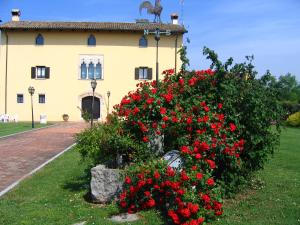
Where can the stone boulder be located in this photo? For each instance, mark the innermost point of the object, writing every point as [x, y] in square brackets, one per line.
[105, 184]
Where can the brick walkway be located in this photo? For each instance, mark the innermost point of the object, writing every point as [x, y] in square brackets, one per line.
[22, 153]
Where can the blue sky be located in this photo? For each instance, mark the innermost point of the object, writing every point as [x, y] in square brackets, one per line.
[269, 29]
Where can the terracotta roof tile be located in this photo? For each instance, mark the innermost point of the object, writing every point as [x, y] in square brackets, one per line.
[89, 26]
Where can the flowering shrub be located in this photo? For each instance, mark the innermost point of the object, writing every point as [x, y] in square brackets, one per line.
[294, 120]
[191, 121]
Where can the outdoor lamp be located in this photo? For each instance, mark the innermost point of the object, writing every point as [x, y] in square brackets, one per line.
[31, 92]
[93, 85]
[108, 95]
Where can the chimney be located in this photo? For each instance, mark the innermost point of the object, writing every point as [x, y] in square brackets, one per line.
[15, 14]
[174, 18]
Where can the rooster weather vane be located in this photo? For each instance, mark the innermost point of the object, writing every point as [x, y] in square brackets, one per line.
[155, 10]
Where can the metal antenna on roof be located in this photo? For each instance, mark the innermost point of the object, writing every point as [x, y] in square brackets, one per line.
[182, 12]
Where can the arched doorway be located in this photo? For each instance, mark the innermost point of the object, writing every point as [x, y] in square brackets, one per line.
[86, 106]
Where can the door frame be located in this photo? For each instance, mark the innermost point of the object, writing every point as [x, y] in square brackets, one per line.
[87, 94]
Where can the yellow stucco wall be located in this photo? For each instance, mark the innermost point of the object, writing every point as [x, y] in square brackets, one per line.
[61, 52]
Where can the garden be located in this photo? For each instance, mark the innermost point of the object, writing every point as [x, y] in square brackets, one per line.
[225, 124]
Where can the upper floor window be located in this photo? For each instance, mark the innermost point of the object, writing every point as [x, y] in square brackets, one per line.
[91, 40]
[98, 71]
[91, 70]
[40, 72]
[143, 73]
[83, 70]
[39, 40]
[90, 67]
[143, 42]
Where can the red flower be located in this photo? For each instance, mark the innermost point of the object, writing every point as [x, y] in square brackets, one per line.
[220, 105]
[174, 216]
[145, 139]
[184, 176]
[198, 156]
[232, 127]
[123, 204]
[185, 149]
[189, 120]
[174, 119]
[154, 90]
[149, 101]
[135, 110]
[168, 97]
[211, 164]
[127, 180]
[199, 176]
[193, 207]
[181, 81]
[200, 220]
[206, 198]
[194, 168]
[185, 212]
[210, 182]
[163, 110]
[147, 193]
[156, 175]
[150, 203]
[204, 146]
[165, 118]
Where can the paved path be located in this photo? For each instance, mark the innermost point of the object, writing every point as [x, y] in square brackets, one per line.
[22, 153]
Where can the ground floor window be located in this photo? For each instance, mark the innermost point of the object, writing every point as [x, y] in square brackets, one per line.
[42, 98]
[20, 98]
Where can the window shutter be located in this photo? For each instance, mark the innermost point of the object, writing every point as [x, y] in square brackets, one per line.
[33, 71]
[47, 72]
[149, 73]
[137, 73]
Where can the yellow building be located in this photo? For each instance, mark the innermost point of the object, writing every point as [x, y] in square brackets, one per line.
[59, 58]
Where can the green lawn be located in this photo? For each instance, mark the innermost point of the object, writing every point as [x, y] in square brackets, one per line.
[12, 128]
[57, 195]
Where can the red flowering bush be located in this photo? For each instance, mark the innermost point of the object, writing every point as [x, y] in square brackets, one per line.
[189, 117]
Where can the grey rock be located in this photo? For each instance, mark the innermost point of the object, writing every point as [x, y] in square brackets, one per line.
[124, 217]
[105, 184]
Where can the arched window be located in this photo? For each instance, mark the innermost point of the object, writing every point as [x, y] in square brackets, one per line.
[98, 72]
[83, 70]
[91, 71]
[39, 40]
[143, 43]
[91, 40]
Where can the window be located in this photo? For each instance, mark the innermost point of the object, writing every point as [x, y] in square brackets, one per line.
[91, 40]
[20, 98]
[91, 71]
[83, 70]
[90, 67]
[143, 73]
[143, 42]
[39, 40]
[40, 72]
[42, 99]
[98, 73]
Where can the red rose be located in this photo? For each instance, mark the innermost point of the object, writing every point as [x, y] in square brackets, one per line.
[123, 204]
[181, 81]
[145, 139]
[156, 175]
[200, 220]
[194, 168]
[127, 180]
[185, 212]
[206, 198]
[220, 105]
[204, 146]
[150, 203]
[193, 207]
[185, 149]
[199, 176]
[232, 127]
[153, 90]
[163, 110]
[211, 164]
[210, 182]
[198, 156]
[165, 118]
[174, 216]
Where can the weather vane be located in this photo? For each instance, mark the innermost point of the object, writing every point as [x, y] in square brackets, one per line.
[155, 10]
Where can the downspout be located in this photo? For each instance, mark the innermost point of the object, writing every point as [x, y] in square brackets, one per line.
[6, 68]
[176, 46]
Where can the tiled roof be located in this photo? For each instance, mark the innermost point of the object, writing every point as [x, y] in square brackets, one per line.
[89, 26]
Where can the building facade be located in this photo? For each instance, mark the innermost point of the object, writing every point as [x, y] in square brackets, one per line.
[59, 59]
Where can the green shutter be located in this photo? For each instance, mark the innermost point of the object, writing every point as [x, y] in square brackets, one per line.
[149, 73]
[47, 72]
[33, 71]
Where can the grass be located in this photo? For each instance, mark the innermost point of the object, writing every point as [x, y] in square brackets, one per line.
[58, 195]
[12, 128]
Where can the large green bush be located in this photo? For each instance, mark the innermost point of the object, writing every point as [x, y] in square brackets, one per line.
[107, 144]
